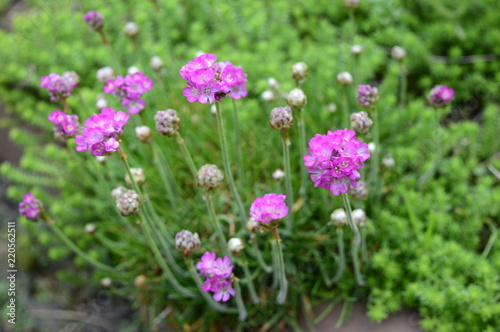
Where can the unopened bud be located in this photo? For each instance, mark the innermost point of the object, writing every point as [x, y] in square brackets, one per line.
[344, 78]
[209, 177]
[278, 175]
[273, 83]
[268, 95]
[71, 76]
[299, 71]
[332, 108]
[156, 63]
[101, 103]
[90, 228]
[235, 245]
[187, 242]
[361, 123]
[367, 95]
[281, 118]
[252, 226]
[167, 122]
[371, 147]
[338, 217]
[118, 191]
[132, 70]
[351, 4]
[360, 192]
[356, 50]
[359, 217]
[138, 175]
[131, 29]
[128, 203]
[105, 74]
[94, 20]
[388, 161]
[213, 110]
[297, 98]
[141, 281]
[101, 159]
[143, 134]
[398, 53]
[106, 282]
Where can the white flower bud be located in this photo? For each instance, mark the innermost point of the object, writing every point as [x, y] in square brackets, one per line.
[199, 53]
[332, 107]
[90, 228]
[388, 161]
[371, 147]
[105, 74]
[131, 29]
[106, 282]
[344, 78]
[268, 95]
[278, 175]
[138, 174]
[101, 159]
[213, 110]
[141, 281]
[351, 4]
[101, 103]
[132, 70]
[297, 98]
[273, 83]
[71, 76]
[356, 50]
[235, 245]
[338, 217]
[156, 63]
[143, 134]
[252, 226]
[398, 53]
[359, 217]
[299, 71]
[210, 176]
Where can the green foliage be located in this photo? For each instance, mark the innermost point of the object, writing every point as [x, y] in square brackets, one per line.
[425, 243]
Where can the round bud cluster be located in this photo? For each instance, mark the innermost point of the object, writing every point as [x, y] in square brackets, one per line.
[281, 118]
[356, 50]
[344, 78]
[101, 159]
[117, 192]
[359, 217]
[388, 161]
[359, 193]
[143, 134]
[105, 74]
[127, 202]
[361, 123]
[94, 20]
[268, 96]
[132, 70]
[71, 77]
[106, 282]
[273, 83]
[367, 95]
[398, 53]
[101, 102]
[252, 226]
[351, 4]
[372, 147]
[278, 174]
[297, 98]
[141, 281]
[338, 217]
[167, 122]
[156, 63]
[210, 176]
[332, 107]
[90, 228]
[299, 71]
[131, 29]
[187, 242]
[235, 245]
[138, 175]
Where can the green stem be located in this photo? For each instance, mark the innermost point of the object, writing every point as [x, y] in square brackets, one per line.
[236, 140]
[248, 279]
[353, 25]
[210, 301]
[258, 254]
[364, 251]
[216, 225]
[356, 240]
[437, 157]
[78, 251]
[373, 176]
[165, 172]
[303, 152]
[239, 302]
[276, 269]
[340, 247]
[282, 294]
[227, 165]
[491, 242]
[345, 109]
[187, 156]
[285, 142]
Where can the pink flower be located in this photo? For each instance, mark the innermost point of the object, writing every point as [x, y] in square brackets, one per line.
[440, 96]
[94, 19]
[65, 126]
[218, 273]
[59, 87]
[334, 160]
[30, 207]
[209, 81]
[130, 90]
[367, 95]
[101, 132]
[268, 208]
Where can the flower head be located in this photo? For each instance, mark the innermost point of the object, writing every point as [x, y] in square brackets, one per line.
[299, 71]
[344, 78]
[187, 242]
[130, 90]
[398, 53]
[338, 217]
[59, 87]
[367, 95]
[127, 202]
[167, 122]
[361, 123]
[94, 19]
[281, 118]
[297, 98]
[269, 207]
[218, 273]
[440, 96]
[30, 207]
[334, 160]
[210, 176]
[101, 132]
[65, 126]
[209, 81]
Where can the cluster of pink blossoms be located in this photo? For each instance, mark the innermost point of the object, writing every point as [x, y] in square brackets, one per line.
[268, 208]
[334, 160]
[130, 90]
[60, 87]
[367, 95]
[65, 126]
[209, 80]
[440, 96]
[102, 132]
[30, 207]
[94, 19]
[218, 273]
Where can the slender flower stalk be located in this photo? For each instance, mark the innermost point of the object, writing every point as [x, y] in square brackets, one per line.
[248, 278]
[236, 142]
[187, 155]
[227, 164]
[373, 176]
[303, 151]
[165, 172]
[258, 255]
[283, 292]
[341, 253]
[285, 142]
[216, 225]
[356, 240]
[239, 302]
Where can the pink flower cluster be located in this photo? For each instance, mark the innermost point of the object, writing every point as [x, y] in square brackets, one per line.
[60, 87]
[65, 126]
[30, 207]
[94, 19]
[334, 160]
[268, 208]
[209, 80]
[218, 273]
[367, 95]
[130, 90]
[440, 96]
[102, 132]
